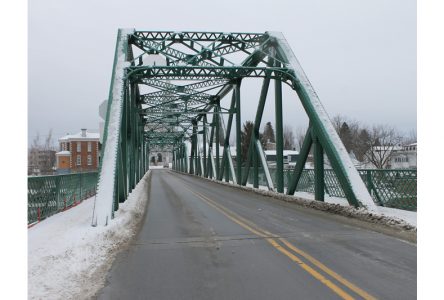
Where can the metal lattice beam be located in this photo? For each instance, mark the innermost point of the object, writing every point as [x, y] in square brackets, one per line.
[172, 96]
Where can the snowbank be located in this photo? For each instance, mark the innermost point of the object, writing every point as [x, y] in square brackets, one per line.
[395, 218]
[68, 258]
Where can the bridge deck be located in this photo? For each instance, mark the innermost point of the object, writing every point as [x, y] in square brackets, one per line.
[202, 240]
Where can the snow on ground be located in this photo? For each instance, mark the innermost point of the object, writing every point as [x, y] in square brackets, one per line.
[69, 259]
[155, 167]
[405, 215]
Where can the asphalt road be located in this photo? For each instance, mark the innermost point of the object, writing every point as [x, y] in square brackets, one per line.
[202, 240]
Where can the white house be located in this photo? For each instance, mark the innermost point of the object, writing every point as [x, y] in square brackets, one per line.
[290, 157]
[404, 158]
[394, 157]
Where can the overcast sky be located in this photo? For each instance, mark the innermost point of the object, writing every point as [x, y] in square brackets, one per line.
[360, 56]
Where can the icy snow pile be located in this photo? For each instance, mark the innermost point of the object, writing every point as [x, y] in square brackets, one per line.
[68, 258]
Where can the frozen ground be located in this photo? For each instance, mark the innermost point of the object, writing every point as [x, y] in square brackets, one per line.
[68, 259]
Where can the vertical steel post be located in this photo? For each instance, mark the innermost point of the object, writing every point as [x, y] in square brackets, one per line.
[279, 136]
[211, 165]
[255, 169]
[226, 167]
[318, 169]
[195, 157]
[185, 153]
[238, 133]
[226, 155]
[181, 158]
[148, 155]
[192, 154]
[302, 158]
[204, 142]
[257, 124]
[217, 124]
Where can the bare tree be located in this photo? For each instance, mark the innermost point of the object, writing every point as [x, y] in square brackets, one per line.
[33, 155]
[411, 137]
[36, 142]
[337, 121]
[383, 142]
[289, 139]
[48, 141]
[41, 156]
[300, 136]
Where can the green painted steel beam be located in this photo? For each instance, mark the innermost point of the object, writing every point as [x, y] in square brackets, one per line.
[279, 136]
[302, 159]
[237, 97]
[180, 93]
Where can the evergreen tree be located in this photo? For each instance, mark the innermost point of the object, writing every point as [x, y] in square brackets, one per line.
[362, 144]
[247, 131]
[346, 136]
[268, 134]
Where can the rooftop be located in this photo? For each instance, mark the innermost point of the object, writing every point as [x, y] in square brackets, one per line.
[63, 153]
[286, 152]
[80, 135]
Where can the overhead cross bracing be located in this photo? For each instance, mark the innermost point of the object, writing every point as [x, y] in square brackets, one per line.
[175, 91]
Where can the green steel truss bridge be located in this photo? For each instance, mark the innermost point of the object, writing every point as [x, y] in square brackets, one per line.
[169, 91]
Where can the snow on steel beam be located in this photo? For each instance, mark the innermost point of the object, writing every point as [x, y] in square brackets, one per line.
[103, 207]
[354, 187]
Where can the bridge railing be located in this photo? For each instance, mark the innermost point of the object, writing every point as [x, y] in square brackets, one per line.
[389, 188]
[48, 195]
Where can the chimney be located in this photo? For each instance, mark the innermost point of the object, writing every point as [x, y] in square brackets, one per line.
[83, 132]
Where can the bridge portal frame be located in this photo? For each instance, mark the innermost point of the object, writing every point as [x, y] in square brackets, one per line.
[177, 114]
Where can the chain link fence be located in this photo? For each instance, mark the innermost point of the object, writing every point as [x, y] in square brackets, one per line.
[48, 195]
[389, 188]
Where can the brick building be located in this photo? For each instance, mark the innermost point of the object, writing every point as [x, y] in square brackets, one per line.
[78, 152]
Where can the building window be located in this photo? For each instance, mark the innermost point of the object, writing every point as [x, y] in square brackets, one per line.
[89, 146]
[79, 160]
[89, 160]
[79, 145]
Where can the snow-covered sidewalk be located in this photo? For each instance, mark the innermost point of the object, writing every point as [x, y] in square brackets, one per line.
[69, 259]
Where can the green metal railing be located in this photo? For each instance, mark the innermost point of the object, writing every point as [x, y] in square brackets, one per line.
[389, 188]
[48, 195]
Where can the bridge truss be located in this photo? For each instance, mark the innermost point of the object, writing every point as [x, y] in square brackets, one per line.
[169, 91]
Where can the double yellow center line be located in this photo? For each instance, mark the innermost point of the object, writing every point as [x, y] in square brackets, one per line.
[289, 250]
